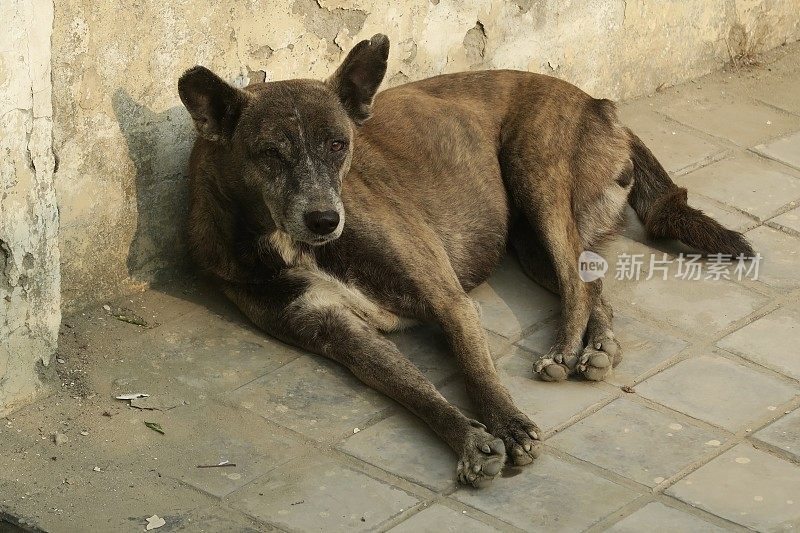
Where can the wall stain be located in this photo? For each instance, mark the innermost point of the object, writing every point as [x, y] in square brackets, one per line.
[327, 23]
[475, 44]
[5, 269]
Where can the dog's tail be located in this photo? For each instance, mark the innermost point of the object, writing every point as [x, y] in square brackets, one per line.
[661, 206]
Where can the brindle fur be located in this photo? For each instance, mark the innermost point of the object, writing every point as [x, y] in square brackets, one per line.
[444, 175]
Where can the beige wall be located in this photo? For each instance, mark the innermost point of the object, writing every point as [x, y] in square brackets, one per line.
[29, 273]
[122, 138]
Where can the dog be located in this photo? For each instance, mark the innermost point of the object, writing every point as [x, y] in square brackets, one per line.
[331, 214]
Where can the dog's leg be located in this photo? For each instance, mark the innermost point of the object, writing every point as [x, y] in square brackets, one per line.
[553, 258]
[338, 333]
[602, 346]
[459, 319]
[578, 298]
[599, 336]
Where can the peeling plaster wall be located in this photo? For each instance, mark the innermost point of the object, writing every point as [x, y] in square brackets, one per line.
[122, 138]
[29, 259]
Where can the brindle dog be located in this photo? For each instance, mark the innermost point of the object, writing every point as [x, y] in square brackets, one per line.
[327, 229]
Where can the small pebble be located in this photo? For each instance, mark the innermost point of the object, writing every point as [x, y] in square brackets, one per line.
[59, 439]
[355, 430]
[60, 361]
[84, 433]
[96, 469]
[107, 307]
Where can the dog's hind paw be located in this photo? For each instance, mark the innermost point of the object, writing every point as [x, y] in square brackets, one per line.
[555, 366]
[594, 365]
[600, 357]
[548, 370]
[481, 459]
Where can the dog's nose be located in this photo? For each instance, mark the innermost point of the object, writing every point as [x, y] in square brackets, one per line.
[322, 222]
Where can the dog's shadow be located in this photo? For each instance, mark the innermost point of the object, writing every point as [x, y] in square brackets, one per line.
[158, 145]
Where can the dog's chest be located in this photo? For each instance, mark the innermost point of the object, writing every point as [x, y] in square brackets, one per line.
[323, 291]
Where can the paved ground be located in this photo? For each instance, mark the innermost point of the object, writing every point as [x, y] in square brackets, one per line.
[697, 430]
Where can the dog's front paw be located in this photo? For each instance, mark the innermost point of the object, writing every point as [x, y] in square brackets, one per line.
[520, 436]
[482, 457]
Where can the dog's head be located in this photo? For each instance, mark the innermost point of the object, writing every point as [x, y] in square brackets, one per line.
[292, 139]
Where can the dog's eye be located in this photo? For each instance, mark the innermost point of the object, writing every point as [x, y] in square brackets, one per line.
[337, 146]
[272, 153]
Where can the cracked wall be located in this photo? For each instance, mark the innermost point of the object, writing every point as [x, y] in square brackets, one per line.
[29, 255]
[122, 138]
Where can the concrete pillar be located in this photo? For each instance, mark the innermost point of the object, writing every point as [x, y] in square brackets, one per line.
[29, 255]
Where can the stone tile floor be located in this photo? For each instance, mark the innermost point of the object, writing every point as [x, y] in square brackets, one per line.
[705, 435]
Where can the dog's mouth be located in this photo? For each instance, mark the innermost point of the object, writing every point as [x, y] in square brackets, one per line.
[315, 240]
[301, 233]
[320, 240]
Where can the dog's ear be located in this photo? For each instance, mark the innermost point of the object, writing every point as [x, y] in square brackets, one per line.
[357, 79]
[215, 106]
